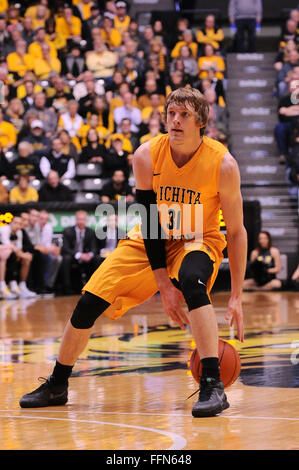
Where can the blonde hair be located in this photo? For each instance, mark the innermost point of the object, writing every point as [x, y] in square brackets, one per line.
[192, 97]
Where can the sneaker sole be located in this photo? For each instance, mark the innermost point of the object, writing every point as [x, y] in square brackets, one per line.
[25, 404]
[207, 414]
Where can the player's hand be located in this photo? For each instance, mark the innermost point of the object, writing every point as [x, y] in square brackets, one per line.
[171, 300]
[235, 315]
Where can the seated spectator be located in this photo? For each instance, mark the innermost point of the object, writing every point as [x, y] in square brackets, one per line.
[181, 26]
[80, 90]
[68, 148]
[46, 65]
[28, 89]
[105, 116]
[220, 113]
[68, 25]
[286, 69]
[56, 160]
[210, 60]
[86, 103]
[115, 157]
[154, 126]
[264, 265]
[190, 64]
[93, 123]
[210, 34]
[48, 262]
[110, 35]
[128, 111]
[8, 135]
[287, 114]
[187, 41]
[41, 15]
[28, 33]
[94, 21]
[154, 105]
[14, 114]
[121, 20]
[23, 193]
[79, 251]
[129, 139]
[35, 48]
[20, 62]
[149, 88]
[290, 33]
[15, 259]
[93, 151]
[118, 97]
[284, 54]
[32, 11]
[52, 190]
[36, 137]
[71, 121]
[44, 114]
[84, 8]
[26, 162]
[4, 36]
[59, 95]
[100, 61]
[112, 88]
[130, 72]
[117, 188]
[177, 80]
[73, 64]
[129, 49]
[144, 48]
[158, 49]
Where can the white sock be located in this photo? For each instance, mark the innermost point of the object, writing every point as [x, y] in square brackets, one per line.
[13, 284]
[23, 285]
[2, 285]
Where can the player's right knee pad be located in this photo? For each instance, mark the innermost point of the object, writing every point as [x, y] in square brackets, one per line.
[87, 310]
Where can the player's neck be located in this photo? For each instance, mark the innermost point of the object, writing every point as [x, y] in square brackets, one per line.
[181, 154]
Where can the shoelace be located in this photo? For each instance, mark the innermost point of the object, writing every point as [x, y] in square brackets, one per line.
[206, 390]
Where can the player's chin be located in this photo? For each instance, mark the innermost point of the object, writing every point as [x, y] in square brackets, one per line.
[178, 135]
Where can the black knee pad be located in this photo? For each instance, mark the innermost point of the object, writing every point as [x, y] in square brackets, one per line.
[194, 274]
[87, 310]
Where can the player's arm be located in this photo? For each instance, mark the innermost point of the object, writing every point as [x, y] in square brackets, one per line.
[155, 248]
[232, 209]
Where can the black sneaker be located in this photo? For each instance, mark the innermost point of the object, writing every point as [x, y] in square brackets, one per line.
[212, 399]
[45, 395]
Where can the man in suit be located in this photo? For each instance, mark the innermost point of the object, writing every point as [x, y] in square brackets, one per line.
[79, 251]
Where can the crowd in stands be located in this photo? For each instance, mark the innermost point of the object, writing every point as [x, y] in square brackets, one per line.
[83, 83]
[287, 91]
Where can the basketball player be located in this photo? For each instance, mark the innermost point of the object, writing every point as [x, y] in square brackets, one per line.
[179, 170]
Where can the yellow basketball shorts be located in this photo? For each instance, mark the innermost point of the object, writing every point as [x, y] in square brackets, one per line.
[125, 278]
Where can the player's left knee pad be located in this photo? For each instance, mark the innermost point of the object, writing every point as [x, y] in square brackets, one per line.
[194, 273]
[87, 310]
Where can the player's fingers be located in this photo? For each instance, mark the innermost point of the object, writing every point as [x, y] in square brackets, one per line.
[176, 318]
[183, 316]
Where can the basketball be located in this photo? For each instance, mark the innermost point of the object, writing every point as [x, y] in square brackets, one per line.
[229, 361]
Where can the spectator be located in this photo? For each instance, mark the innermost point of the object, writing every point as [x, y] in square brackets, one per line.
[27, 90]
[283, 54]
[154, 130]
[117, 188]
[283, 76]
[80, 89]
[244, 16]
[36, 137]
[94, 21]
[110, 35]
[79, 251]
[15, 260]
[93, 123]
[210, 60]
[84, 8]
[93, 151]
[287, 113]
[129, 139]
[20, 62]
[87, 101]
[128, 111]
[25, 163]
[154, 105]
[144, 48]
[56, 160]
[187, 41]
[121, 19]
[23, 193]
[45, 115]
[220, 113]
[73, 64]
[59, 95]
[3, 194]
[68, 148]
[28, 32]
[210, 34]
[46, 65]
[14, 114]
[54, 191]
[190, 64]
[4, 36]
[71, 121]
[264, 265]
[150, 87]
[8, 136]
[100, 61]
[68, 25]
[290, 33]
[35, 48]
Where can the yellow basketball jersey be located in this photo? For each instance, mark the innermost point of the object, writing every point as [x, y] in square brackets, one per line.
[187, 197]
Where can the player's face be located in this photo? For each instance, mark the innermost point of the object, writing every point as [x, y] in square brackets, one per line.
[181, 123]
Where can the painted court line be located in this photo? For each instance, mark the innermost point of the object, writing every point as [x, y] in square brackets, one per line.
[179, 442]
[169, 415]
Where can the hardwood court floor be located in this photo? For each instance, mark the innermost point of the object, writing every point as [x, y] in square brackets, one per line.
[129, 388]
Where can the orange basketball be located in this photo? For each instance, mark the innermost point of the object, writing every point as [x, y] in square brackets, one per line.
[229, 361]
